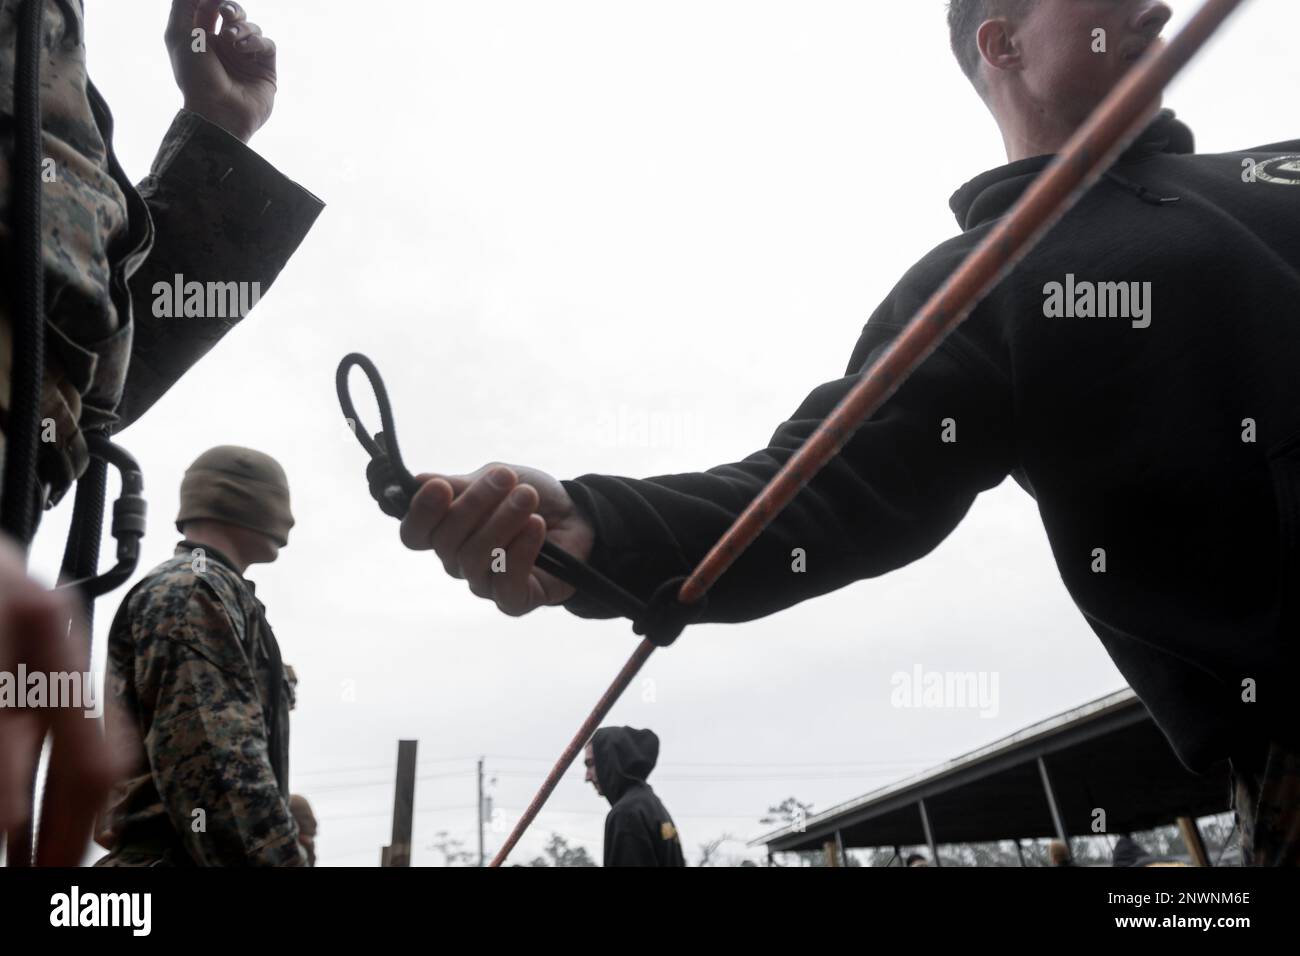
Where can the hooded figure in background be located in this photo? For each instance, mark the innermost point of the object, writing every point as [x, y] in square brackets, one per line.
[638, 830]
[1126, 852]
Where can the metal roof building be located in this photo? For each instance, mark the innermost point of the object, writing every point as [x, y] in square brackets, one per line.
[1046, 780]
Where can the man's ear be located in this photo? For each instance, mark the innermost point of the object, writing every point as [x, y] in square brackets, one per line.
[997, 45]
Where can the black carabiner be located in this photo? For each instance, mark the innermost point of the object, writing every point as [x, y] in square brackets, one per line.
[128, 527]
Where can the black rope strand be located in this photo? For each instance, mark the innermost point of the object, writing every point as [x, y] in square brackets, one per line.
[81, 555]
[18, 503]
[18, 494]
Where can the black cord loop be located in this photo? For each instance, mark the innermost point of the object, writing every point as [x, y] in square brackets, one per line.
[393, 486]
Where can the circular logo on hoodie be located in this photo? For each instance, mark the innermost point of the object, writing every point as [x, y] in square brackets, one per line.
[1285, 170]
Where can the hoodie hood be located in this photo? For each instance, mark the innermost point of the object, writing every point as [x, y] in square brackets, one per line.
[623, 756]
[1127, 852]
[991, 194]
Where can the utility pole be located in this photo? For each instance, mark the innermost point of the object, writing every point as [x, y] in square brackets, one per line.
[398, 853]
[481, 859]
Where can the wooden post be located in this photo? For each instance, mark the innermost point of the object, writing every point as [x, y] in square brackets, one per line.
[398, 853]
[1192, 837]
[829, 849]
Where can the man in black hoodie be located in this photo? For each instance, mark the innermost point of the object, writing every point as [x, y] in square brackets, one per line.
[1127, 852]
[638, 830]
[1136, 374]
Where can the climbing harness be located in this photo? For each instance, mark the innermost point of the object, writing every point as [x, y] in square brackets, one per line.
[675, 604]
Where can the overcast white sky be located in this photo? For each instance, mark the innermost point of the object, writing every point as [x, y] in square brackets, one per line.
[553, 224]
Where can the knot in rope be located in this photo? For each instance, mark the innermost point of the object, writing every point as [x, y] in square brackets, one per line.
[664, 616]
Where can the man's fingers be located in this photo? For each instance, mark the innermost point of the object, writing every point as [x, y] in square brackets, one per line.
[517, 590]
[428, 506]
[79, 776]
[203, 14]
[245, 40]
[231, 12]
[458, 482]
[237, 33]
[34, 633]
[468, 512]
[184, 17]
[20, 748]
[248, 50]
[477, 559]
[258, 48]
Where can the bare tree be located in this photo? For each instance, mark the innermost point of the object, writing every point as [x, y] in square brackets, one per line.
[559, 853]
[453, 850]
[709, 851]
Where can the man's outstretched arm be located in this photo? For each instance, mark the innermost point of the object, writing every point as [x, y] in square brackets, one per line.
[222, 213]
[896, 490]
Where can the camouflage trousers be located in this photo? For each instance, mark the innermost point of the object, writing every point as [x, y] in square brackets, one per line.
[1266, 800]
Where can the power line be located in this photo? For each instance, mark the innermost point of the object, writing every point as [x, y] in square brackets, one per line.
[681, 816]
[772, 766]
[308, 773]
[334, 788]
[771, 763]
[376, 766]
[385, 813]
[665, 777]
[727, 778]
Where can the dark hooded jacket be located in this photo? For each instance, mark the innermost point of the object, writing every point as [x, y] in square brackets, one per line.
[1163, 453]
[638, 830]
[1128, 852]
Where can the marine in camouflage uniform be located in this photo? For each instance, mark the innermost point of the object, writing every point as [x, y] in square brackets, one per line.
[197, 698]
[210, 210]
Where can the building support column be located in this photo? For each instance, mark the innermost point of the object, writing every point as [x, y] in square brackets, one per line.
[929, 834]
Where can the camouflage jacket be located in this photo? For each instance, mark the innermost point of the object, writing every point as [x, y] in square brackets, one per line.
[191, 700]
[211, 211]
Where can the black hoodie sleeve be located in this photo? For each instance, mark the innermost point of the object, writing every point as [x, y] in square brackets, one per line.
[893, 493]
